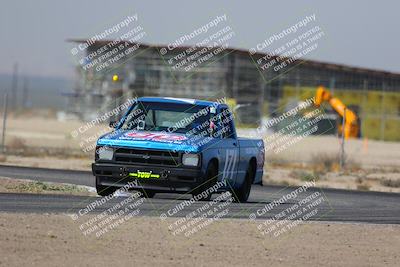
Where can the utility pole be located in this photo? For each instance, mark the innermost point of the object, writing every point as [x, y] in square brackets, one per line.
[342, 154]
[297, 85]
[25, 93]
[332, 83]
[3, 137]
[14, 87]
[383, 115]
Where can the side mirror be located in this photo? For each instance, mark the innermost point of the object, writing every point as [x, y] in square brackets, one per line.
[113, 124]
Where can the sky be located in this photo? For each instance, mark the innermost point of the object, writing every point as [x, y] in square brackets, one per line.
[34, 33]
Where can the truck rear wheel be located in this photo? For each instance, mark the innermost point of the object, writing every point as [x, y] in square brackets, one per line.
[243, 192]
[103, 190]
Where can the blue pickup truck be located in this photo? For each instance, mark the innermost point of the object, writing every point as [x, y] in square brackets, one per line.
[178, 145]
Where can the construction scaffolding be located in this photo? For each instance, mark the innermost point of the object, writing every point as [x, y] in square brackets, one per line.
[373, 95]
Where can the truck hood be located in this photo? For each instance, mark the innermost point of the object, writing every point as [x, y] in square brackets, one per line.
[155, 140]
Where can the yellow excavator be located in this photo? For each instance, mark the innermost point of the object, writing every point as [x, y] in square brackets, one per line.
[351, 126]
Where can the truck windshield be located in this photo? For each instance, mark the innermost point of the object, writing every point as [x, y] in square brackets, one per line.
[179, 118]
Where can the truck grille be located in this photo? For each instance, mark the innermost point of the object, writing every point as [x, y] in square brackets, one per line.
[153, 157]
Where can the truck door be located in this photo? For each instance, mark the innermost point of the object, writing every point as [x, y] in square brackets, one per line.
[229, 149]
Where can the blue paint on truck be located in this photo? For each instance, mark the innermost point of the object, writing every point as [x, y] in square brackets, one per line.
[177, 145]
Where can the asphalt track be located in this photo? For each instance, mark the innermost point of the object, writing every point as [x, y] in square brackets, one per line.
[337, 205]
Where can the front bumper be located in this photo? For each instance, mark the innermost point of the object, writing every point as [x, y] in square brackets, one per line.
[171, 179]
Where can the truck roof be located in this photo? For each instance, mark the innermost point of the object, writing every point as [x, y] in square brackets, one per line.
[178, 101]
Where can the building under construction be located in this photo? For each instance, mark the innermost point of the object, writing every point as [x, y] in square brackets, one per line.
[373, 95]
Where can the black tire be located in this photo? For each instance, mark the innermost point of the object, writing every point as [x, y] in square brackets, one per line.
[148, 193]
[243, 192]
[103, 190]
[210, 179]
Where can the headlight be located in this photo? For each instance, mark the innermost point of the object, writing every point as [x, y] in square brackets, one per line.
[190, 159]
[105, 153]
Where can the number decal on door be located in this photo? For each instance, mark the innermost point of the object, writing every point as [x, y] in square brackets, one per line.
[230, 163]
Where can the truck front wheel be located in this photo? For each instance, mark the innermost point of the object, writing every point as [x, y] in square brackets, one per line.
[211, 177]
[148, 193]
[103, 190]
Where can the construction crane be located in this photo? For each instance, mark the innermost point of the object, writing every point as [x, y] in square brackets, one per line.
[351, 125]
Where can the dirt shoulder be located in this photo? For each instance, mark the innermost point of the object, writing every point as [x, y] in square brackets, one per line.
[8, 185]
[81, 164]
[55, 240]
[380, 180]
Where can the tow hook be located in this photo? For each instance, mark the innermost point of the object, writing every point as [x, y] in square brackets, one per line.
[124, 172]
[164, 174]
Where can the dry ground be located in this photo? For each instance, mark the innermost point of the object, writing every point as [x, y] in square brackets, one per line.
[55, 240]
[82, 164]
[47, 132]
[371, 165]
